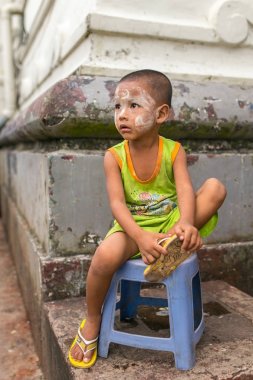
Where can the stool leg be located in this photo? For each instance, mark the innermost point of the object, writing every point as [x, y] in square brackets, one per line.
[197, 301]
[108, 317]
[182, 321]
[130, 296]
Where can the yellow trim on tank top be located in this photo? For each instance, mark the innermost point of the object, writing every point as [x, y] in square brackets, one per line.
[157, 166]
[175, 151]
[116, 156]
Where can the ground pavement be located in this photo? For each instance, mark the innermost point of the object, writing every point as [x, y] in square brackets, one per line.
[18, 360]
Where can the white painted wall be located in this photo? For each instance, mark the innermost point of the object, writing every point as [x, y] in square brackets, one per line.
[1, 84]
[52, 55]
[1, 69]
[31, 10]
[199, 40]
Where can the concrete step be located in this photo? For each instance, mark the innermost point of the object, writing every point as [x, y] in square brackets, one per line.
[224, 353]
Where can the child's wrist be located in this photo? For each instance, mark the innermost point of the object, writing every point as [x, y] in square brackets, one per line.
[136, 235]
[186, 221]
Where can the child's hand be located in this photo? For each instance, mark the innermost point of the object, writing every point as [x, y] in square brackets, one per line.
[188, 234]
[149, 248]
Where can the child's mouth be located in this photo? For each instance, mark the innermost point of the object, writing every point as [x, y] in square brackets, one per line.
[124, 129]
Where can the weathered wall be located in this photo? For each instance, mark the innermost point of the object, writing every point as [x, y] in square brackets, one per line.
[66, 206]
[54, 225]
[188, 41]
[53, 195]
[55, 183]
[82, 106]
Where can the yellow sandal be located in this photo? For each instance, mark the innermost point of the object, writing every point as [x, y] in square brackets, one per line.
[163, 266]
[85, 346]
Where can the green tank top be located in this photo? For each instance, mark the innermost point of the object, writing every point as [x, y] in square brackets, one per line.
[153, 203]
[157, 195]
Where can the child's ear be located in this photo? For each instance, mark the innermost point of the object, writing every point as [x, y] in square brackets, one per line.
[163, 113]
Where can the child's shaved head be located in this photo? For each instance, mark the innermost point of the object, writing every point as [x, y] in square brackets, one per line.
[157, 82]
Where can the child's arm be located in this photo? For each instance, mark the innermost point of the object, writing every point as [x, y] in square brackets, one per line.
[184, 228]
[146, 241]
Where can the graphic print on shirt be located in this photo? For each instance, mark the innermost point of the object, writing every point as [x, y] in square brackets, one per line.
[150, 204]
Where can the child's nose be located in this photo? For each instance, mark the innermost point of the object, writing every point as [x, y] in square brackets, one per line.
[123, 114]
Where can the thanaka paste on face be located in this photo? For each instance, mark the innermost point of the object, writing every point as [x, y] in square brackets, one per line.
[146, 122]
[137, 95]
[141, 97]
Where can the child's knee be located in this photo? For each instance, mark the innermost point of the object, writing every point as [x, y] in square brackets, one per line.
[217, 189]
[101, 263]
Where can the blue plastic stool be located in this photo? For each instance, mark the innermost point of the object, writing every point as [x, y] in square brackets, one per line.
[184, 309]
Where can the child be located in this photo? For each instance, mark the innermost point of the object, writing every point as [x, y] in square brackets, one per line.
[150, 195]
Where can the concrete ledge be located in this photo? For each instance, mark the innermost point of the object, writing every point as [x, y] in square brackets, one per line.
[224, 352]
[230, 297]
[81, 106]
[67, 209]
[231, 262]
[62, 277]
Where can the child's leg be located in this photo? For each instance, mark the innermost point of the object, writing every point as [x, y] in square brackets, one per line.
[109, 256]
[209, 199]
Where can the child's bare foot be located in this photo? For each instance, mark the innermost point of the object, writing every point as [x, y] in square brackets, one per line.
[89, 332]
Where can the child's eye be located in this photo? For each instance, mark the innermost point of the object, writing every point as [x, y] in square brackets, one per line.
[134, 105]
[117, 106]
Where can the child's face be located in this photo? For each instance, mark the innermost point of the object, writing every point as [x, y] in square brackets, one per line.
[135, 110]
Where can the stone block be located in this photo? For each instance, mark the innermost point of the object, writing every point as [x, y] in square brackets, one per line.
[236, 172]
[64, 277]
[79, 210]
[225, 349]
[230, 262]
[25, 179]
[62, 196]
